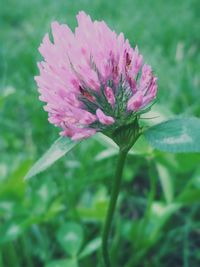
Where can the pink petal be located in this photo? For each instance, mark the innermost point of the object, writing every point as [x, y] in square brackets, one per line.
[135, 102]
[110, 95]
[104, 119]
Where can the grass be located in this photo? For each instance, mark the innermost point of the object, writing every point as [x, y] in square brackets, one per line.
[163, 187]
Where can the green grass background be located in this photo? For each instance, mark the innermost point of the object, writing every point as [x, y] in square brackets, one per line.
[158, 221]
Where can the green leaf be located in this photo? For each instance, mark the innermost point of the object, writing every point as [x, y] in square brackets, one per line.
[176, 135]
[70, 236]
[105, 141]
[6, 92]
[14, 185]
[160, 214]
[166, 181]
[63, 263]
[90, 247]
[189, 196]
[11, 230]
[95, 210]
[59, 148]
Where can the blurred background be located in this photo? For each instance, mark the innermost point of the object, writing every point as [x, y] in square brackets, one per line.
[55, 219]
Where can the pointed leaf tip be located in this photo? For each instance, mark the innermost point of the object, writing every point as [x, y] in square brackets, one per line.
[60, 147]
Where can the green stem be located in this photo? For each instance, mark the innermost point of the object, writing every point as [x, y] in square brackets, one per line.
[112, 205]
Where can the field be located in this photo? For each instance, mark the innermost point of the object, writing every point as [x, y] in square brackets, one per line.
[157, 223]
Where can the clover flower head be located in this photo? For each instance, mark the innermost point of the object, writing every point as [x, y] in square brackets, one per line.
[92, 80]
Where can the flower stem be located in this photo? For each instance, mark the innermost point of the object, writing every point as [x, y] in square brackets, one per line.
[113, 200]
